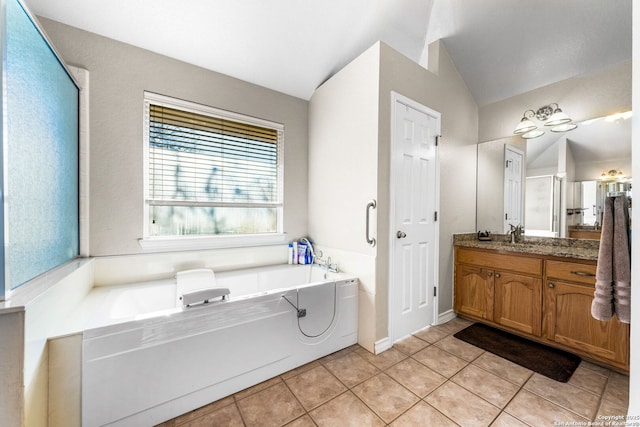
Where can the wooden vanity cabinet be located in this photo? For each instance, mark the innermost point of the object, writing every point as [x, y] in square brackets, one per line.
[474, 290]
[545, 298]
[518, 302]
[503, 288]
[568, 294]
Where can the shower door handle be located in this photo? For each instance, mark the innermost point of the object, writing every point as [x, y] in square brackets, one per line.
[371, 205]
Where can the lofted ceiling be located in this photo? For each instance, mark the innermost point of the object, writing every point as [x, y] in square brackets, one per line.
[501, 47]
[504, 48]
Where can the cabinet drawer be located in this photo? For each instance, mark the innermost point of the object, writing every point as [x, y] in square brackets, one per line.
[492, 260]
[571, 271]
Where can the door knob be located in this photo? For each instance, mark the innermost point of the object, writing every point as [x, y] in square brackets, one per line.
[401, 234]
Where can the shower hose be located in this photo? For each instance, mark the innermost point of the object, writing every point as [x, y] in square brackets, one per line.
[302, 312]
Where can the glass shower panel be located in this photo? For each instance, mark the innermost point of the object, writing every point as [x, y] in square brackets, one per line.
[40, 154]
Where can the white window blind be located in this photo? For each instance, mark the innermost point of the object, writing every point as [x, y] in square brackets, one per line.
[209, 173]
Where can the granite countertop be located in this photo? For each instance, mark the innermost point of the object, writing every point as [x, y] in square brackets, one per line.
[569, 248]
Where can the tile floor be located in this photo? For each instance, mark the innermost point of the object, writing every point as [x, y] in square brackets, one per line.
[428, 379]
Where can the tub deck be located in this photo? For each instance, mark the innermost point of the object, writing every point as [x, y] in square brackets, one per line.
[146, 360]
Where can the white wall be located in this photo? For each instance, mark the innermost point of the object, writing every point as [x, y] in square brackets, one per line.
[119, 75]
[634, 381]
[343, 170]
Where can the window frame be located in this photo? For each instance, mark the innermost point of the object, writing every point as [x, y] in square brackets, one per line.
[191, 242]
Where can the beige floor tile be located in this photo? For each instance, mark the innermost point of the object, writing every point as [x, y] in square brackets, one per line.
[488, 386]
[410, 345]
[385, 396]
[432, 334]
[617, 388]
[537, 412]
[456, 324]
[588, 380]
[304, 421]
[227, 416]
[503, 368]
[273, 406]
[423, 414]
[611, 409]
[315, 387]
[506, 420]
[442, 362]
[299, 370]
[351, 369]
[256, 388]
[345, 410]
[416, 377]
[563, 394]
[596, 368]
[459, 348]
[462, 406]
[383, 360]
[190, 416]
[340, 353]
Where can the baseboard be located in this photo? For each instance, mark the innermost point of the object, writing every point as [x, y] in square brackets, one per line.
[382, 345]
[446, 316]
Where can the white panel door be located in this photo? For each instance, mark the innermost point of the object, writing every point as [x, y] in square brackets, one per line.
[414, 198]
[513, 185]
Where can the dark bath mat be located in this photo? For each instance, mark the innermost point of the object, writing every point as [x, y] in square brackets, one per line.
[550, 362]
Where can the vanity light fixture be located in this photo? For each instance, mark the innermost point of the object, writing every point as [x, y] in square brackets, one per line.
[612, 174]
[552, 116]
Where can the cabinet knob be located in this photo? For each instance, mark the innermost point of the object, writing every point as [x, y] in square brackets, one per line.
[498, 275]
[489, 273]
[551, 285]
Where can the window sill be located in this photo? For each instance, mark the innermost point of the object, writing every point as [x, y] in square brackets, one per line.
[190, 243]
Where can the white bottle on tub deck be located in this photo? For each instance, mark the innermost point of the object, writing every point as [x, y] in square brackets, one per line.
[295, 252]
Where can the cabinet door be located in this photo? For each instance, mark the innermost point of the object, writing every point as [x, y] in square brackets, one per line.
[473, 293]
[568, 321]
[518, 302]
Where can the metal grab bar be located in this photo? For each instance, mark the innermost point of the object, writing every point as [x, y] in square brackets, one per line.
[371, 205]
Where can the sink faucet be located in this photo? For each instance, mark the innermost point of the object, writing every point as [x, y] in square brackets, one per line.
[516, 232]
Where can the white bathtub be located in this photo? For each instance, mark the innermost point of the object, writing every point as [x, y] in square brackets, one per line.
[146, 360]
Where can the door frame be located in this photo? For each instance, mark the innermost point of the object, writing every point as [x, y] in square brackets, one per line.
[395, 99]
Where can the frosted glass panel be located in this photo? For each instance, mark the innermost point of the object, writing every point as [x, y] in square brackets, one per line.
[41, 154]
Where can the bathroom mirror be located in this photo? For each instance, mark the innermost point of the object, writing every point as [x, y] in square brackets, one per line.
[555, 167]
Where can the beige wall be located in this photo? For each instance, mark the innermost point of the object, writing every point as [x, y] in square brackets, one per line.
[341, 110]
[11, 366]
[119, 74]
[442, 90]
[582, 97]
